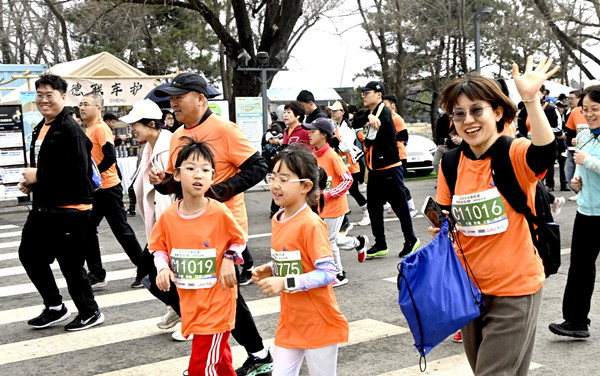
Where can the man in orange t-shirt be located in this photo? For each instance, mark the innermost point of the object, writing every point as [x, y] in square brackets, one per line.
[108, 200]
[238, 166]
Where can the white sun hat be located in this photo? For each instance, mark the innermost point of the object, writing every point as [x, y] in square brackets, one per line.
[144, 109]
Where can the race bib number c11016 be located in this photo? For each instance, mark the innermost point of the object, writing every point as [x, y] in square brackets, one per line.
[480, 214]
[286, 263]
[194, 268]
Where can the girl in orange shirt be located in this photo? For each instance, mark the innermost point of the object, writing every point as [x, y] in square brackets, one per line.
[201, 240]
[310, 323]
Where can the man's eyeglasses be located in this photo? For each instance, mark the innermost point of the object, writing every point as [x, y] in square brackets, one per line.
[281, 180]
[48, 97]
[365, 93]
[475, 112]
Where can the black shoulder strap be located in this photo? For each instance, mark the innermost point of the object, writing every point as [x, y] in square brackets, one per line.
[505, 178]
[450, 160]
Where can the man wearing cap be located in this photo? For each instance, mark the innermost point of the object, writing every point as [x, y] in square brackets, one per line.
[238, 166]
[108, 200]
[310, 108]
[385, 172]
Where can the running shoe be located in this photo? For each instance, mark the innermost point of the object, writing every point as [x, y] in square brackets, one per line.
[340, 279]
[410, 247]
[361, 248]
[569, 329]
[245, 277]
[169, 320]
[178, 336]
[346, 227]
[97, 283]
[81, 322]
[49, 317]
[377, 250]
[365, 221]
[457, 337]
[254, 366]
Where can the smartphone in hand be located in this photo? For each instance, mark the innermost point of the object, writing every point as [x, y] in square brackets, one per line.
[432, 212]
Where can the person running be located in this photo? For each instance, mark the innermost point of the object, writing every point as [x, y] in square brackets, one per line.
[302, 270]
[336, 204]
[196, 242]
[512, 291]
[584, 253]
[239, 167]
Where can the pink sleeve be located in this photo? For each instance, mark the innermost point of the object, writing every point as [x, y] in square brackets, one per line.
[161, 260]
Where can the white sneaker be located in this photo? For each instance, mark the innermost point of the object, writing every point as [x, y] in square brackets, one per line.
[414, 212]
[556, 205]
[169, 320]
[573, 198]
[177, 336]
[388, 208]
[365, 221]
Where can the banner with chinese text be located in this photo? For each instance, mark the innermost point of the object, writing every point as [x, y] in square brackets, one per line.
[115, 91]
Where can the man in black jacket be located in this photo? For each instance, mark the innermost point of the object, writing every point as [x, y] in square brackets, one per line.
[60, 178]
[310, 108]
[385, 172]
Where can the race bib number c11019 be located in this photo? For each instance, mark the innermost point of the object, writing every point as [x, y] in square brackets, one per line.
[194, 268]
[480, 214]
[286, 263]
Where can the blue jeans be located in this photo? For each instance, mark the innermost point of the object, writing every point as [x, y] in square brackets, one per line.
[570, 168]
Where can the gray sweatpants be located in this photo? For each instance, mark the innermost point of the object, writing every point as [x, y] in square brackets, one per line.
[500, 342]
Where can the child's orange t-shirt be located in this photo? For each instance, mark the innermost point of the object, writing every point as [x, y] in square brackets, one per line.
[335, 167]
[230, 148]
[504, 264]
[209, 310]
[99, 133]
[309, 319]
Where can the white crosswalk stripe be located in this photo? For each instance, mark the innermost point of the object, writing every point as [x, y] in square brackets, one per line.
[57, 344]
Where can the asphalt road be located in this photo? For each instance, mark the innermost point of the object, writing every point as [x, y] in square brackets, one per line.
[128, 343]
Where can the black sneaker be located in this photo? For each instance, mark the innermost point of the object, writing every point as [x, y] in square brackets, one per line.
[135, 284]
[568, 329]
[131, 212]
[81, 323]
[97, 283]
[255, 366]
[245, 277]
[363, 243]
[49, 317]
[410, 247]
[378, 249]
[346, 227]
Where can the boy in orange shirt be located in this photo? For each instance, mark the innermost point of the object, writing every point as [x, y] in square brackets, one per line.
[336, 204]
[202, 261]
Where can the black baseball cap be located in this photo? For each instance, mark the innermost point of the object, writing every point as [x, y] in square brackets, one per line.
[322, 124]
[184, 83]
[373, 85]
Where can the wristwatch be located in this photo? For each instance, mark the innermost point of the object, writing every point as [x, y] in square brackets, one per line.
[232, 255]
[290, 283]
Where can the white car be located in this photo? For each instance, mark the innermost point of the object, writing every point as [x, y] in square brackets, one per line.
[419, 151]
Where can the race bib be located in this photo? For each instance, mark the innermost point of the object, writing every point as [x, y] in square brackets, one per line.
[480, 214]
[286, 263]
[329, 183]
[194, 268]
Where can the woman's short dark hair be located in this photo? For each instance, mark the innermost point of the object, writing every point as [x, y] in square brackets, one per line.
[299, 159]
[158, 124]
[475, 87]
[296, 107]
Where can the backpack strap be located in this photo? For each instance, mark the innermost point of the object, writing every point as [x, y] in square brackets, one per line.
[450, 160]
[506, 180]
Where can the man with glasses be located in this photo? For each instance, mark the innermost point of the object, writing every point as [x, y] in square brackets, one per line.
[108, 200]
[60, 179]
[385, 172]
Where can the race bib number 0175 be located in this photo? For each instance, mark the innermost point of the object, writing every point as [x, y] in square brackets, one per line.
[286, 263]
[194, 268]
[480, 214]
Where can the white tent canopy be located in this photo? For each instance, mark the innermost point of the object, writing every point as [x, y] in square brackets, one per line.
[119, 83]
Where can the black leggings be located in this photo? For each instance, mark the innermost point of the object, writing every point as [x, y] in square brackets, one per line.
[355, 192]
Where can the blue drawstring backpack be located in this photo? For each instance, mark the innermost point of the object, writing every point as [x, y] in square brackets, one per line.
[436, 295]
[96, 176]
